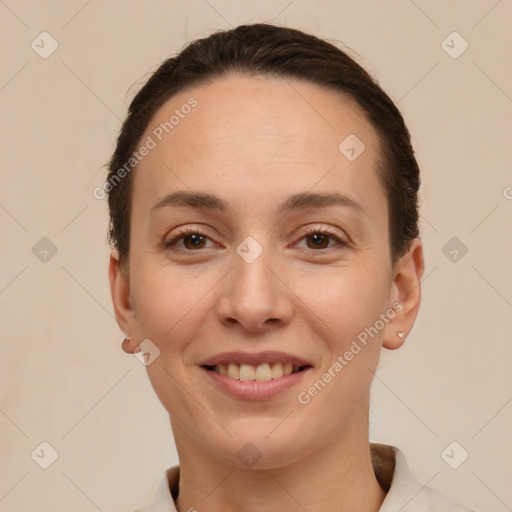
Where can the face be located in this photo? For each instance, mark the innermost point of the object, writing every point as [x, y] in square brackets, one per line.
[274, 258]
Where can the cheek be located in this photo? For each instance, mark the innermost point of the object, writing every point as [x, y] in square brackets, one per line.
[168, 301]
[350, 330]
[334, 304]
[346, 301]
[171, 307]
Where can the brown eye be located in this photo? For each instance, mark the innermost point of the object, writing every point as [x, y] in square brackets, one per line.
[318, 240]
[321, 239]
[188, 239]
[195, 241]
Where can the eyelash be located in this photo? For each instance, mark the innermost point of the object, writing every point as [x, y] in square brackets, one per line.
[182, 232]
[325, 231]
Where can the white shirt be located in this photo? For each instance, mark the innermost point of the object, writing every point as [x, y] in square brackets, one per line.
[404, 492]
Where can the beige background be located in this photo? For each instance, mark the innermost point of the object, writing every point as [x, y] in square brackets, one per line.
[64, 377]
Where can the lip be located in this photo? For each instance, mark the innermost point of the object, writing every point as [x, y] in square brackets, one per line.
[256, 358]
[254, 390]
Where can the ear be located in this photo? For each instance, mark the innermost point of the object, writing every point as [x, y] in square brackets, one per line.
[123, 309]
[405, 292]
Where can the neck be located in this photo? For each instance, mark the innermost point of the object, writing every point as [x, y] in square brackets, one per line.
[338, 476]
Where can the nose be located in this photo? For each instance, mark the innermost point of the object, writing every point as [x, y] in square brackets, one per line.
[254, 297]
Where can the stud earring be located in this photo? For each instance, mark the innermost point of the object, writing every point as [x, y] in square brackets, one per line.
[401, 334]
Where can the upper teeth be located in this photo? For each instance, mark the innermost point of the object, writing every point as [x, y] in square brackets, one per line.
[261, 373]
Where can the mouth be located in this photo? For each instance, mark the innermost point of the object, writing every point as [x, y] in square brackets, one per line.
[255, 376]
[260, 373]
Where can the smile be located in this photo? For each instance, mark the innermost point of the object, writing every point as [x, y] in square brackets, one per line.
[261, 373]
[254, 375]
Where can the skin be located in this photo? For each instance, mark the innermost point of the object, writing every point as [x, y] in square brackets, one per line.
[253, 142]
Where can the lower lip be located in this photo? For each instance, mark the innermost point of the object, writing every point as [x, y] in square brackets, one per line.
[254, 390]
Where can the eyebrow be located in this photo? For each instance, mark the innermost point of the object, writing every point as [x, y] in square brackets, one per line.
[301, 201]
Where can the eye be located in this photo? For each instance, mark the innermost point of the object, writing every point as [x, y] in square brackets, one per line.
[190, 238]
[319, 238]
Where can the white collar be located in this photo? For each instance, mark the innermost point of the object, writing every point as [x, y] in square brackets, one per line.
[405, 493]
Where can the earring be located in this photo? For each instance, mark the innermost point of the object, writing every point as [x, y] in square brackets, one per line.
[401, 334]
[125, 341]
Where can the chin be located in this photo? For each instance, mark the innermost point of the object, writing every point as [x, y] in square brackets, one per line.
[259, 445]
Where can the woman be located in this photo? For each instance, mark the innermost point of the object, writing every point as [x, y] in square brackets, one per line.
[263, 203]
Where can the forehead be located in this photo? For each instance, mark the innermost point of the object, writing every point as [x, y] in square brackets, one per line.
[263, 137]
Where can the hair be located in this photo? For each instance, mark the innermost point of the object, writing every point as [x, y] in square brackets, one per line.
[279, 52]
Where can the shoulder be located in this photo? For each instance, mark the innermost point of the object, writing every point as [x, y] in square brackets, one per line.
[404, 491]
[440, 503]
[166, 492]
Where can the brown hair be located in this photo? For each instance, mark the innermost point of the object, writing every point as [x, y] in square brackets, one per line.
[274, 51]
